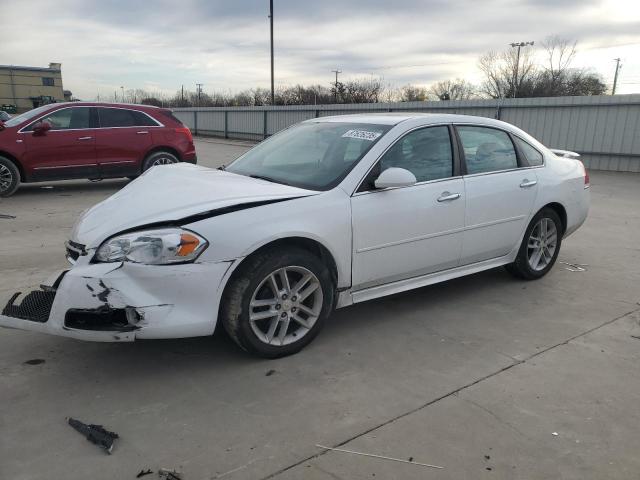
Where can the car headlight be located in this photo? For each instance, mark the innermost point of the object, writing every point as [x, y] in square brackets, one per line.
[153, 247]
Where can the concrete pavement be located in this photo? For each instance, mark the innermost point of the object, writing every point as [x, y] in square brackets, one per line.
[483, 366]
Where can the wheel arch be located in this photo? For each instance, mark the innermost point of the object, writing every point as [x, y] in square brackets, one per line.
[162, 148]
[15, 161]
[311, 245]
[561, 211]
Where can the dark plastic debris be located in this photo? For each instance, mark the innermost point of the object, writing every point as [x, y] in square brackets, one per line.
[142, 473]
[169, 474]
[35, 361]
[95, 434]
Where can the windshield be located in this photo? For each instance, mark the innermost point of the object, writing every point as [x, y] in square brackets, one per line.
[315, 156]
[23, 117]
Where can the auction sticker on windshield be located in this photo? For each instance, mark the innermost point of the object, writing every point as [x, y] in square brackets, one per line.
[361, 134]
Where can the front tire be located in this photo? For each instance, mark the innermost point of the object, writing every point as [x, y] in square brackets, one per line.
[540, 246]
[159, 158]
[9, 177]
[277, 302]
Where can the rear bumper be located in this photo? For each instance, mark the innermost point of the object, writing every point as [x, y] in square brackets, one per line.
[123, 302]
[190, 157]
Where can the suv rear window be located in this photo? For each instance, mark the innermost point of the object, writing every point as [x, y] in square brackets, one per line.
[122, 117]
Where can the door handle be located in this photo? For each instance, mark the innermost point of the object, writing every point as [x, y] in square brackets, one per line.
[528, 183]
[85, 138]
[142, 132]
[447, 197]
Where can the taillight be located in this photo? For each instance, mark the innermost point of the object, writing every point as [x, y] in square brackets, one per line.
[587, 182]
[185, 131]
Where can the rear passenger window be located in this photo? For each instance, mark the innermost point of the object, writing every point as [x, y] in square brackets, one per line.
[121, 117]
[426, 153]
[487, 149]
[116, 117]
[532, 156]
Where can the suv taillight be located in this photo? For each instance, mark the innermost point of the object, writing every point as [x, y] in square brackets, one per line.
[185, 131]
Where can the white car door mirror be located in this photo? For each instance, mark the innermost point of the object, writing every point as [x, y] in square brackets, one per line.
[395, 177]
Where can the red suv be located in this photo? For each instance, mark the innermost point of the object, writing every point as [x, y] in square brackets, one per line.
[89, 140]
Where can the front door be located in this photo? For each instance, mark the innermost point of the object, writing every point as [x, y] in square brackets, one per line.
[500, 194]
[406, 232]
[65, 151]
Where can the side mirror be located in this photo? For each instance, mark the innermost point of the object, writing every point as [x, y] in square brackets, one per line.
[395, 177]
[41, 128]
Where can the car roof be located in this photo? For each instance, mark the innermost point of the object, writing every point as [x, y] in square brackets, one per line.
[394, 118]
[101, 104]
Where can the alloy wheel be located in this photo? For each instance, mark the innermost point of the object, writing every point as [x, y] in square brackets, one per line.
[163, 161]
[6, 178]
[542, 244]
[285, 305]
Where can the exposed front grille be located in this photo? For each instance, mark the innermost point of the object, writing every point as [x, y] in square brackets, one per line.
[35, 306]
[74, 251]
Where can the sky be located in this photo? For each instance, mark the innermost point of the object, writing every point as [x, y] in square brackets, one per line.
[159, 45]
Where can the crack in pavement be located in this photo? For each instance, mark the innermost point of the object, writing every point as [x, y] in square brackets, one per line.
[449, 394]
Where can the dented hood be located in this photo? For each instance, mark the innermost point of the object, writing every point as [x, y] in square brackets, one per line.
[172, 193]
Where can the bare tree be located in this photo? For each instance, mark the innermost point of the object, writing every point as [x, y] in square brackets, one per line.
[458, 89]
[560, 54]
[505, 73]
[411, 93]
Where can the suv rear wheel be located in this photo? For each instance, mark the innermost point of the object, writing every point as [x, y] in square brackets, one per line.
[159, 158]
[9, 177]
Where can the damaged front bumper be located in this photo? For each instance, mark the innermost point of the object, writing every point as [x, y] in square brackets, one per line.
[112, 302]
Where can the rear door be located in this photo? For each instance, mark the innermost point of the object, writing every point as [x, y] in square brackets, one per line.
[68, 150]
[122, 140]
[500, 193]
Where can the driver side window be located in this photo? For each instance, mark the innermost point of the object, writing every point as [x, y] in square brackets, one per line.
[67, 118]
[426, 153]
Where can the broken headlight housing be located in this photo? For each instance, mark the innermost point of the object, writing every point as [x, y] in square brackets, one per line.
[152, 247]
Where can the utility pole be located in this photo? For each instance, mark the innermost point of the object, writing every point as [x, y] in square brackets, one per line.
[122, 90]
[615, 77]
[515, 79]
[336, 71]
[182, 95]
[273, 94]
[199, 91]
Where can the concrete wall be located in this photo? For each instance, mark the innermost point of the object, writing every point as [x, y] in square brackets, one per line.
[605, 130]
[20, 86]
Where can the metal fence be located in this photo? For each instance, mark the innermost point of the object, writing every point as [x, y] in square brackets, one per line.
[605, 130]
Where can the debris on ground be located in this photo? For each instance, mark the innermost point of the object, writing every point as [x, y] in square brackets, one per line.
[575, 267]
[35, 361]
[555, 434]
[637, 337]
[378, 456]
[95, 434]
[269, 373]
[8, 217]
[142, 473]
[169, 474]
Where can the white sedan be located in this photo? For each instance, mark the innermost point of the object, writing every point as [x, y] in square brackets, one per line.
[327, 213]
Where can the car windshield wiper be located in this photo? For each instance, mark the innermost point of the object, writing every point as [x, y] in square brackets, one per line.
[268, 179]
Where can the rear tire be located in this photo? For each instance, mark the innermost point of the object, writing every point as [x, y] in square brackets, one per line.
[540, 246]
[159, 158]
[270, 316]
[9, 177]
